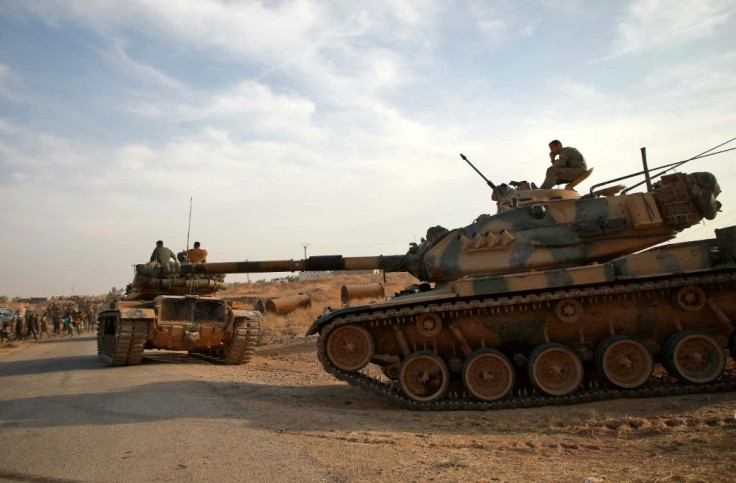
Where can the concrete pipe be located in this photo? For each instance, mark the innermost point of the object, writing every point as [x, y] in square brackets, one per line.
[260, 305]
[362, 291]
[284, 305]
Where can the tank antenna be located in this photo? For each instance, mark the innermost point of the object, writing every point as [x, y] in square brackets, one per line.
[189, 226]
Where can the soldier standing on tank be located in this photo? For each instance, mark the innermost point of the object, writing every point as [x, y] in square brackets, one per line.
[196, 254]
[161, 254]
[569, 165]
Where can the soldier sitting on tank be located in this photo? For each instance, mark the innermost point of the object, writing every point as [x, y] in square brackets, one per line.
[566, 168]
[161, 255]
[196, 254]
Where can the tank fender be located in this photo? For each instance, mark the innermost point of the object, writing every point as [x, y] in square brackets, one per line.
[330, 314]
[248, 314]
[240, 314]
[136, 313]
[317, 325]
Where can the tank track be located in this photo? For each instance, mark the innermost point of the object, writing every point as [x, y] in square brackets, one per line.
[126, 346]
[243, 343]
[460, 400]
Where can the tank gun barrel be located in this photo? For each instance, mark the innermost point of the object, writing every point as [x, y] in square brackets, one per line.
[488, 182]
[389, 263]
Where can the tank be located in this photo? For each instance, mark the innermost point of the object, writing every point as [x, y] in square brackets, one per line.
[558, 298]
[163, 310]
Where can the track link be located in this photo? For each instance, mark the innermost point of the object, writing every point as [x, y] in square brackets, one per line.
[243, 343]
[397, 314]
[126, 345]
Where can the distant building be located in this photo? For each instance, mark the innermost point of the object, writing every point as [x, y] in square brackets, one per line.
[328, 274]
[314, 275]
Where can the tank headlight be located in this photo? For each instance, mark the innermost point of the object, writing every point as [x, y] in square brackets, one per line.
[538, 211]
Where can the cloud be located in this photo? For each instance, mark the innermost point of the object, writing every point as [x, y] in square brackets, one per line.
[8, 83]
[647, 24]
[333, 123]
[140, 71]
[256, 110]
[504, 22]
[29, 155]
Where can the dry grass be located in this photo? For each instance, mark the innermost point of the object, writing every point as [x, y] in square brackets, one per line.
[324, 293]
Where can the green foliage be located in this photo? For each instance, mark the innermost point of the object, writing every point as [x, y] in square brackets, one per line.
[4, 299]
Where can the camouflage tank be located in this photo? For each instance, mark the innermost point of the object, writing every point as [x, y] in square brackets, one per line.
[550, 301]
[163, 310]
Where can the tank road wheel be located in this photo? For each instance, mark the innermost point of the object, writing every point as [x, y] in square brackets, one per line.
[429, 325]
[689, 298]
[488, 375]
[555, 370]
[569, 310]
[624, 362]
[693, 357]
[423, 376]
[350, 347]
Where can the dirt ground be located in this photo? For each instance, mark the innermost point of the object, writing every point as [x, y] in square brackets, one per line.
[361, 437]
[685, 438]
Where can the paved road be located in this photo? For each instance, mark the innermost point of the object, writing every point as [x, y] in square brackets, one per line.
[65, 416]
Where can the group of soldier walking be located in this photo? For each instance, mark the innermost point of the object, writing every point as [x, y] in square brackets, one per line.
[63, 320]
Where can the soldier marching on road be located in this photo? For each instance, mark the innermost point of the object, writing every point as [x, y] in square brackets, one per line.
[31, 325]
[18, 326]
[44, 326]
[5, 332]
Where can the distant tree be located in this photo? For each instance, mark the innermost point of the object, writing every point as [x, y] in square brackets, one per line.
[4, 299]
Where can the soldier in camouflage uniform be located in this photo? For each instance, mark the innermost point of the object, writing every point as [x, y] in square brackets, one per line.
[566, 168]
[161, 254]
[5, 332]
[31, 325]
[44, 326]
[18, 326]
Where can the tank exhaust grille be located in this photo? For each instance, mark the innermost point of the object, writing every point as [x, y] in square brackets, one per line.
[189, 310]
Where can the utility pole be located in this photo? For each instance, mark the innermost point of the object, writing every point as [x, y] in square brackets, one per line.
[305, 245]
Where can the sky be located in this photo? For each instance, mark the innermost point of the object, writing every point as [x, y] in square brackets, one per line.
[333, 124]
